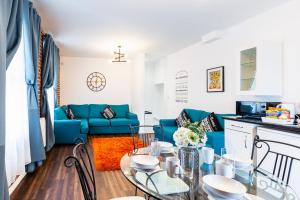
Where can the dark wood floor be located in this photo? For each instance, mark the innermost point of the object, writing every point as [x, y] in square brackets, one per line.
[54, 181]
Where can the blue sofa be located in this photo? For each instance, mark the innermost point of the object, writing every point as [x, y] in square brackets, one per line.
[167, 127]
[88, 120]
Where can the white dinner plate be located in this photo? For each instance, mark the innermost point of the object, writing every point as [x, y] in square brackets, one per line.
[214, 196]
[224, 186]
[252, 197]
[239, 161]
[163, 183]
[145, 161]
[141, 168]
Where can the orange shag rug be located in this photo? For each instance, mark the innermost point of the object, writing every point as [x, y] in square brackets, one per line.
[109, 151]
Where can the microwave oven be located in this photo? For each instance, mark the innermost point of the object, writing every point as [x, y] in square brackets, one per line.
[253, 109]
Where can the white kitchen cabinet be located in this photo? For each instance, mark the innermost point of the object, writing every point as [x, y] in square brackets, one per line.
[260, 69]
[239, 138]
[286, 137]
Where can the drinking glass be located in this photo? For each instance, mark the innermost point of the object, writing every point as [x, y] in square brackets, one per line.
[155, 147]
[187, 163]
[223, 152]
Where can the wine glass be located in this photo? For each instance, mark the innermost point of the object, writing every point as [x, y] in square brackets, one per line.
[154, 147]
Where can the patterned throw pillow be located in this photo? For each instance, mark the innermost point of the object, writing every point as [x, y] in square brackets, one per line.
[108, 113]
[183, 119]
[210, 123]
[70, 114]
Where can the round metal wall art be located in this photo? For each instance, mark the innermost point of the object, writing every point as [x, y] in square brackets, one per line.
[96, 81]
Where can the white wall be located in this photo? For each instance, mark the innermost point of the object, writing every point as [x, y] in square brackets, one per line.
[74, 73]
[279, 24]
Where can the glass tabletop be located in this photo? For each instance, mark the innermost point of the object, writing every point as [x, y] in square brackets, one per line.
[259, 183]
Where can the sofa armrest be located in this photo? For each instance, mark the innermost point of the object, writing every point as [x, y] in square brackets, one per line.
[130, 115]
[61, 124]
[67, 131]
[216, 140]
[167, 122]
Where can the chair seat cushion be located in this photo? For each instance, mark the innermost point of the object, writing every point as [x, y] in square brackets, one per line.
[98, 122]
[84, 126]
[123, 122]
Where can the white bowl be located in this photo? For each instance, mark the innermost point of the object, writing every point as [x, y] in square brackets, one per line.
[166, 147]
[165, 144]
[239, 161]
[224, 187]
[145, 161]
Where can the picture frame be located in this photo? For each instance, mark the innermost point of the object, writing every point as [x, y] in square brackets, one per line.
[215, 79]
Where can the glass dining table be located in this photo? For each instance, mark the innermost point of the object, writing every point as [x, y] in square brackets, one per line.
[260, 185]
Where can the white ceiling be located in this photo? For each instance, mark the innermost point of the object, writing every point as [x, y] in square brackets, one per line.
[93, 28]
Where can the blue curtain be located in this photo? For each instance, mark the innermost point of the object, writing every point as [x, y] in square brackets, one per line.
[47, 82]
[14, 29]
[32, 35]
[56, 75]
[10, 36]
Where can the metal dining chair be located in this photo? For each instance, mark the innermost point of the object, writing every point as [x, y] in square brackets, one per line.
[282, 164]
[82, 162]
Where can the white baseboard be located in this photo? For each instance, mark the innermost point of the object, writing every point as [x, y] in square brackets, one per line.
[12, 188]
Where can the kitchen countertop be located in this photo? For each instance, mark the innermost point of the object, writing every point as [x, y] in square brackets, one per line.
[289, 128]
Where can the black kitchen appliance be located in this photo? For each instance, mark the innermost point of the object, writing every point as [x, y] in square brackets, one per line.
[253, 109]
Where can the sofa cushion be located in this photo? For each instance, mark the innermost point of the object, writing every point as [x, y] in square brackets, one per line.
[80, 111]
[120, 110]
[60, 114]
[168, 132]
[96, 109]
[196, 115]
[123, 122]
[84, 126]
[65, 108]
[99, 122]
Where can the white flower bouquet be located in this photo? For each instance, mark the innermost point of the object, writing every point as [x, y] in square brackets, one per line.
[192, 134]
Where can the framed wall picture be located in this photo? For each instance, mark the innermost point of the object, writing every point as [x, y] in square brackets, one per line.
[215, 79]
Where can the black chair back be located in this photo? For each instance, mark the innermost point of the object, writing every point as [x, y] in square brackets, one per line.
[82, 162]
[283, 162]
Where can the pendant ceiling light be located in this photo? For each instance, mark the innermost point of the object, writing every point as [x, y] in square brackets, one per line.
[118, 56]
